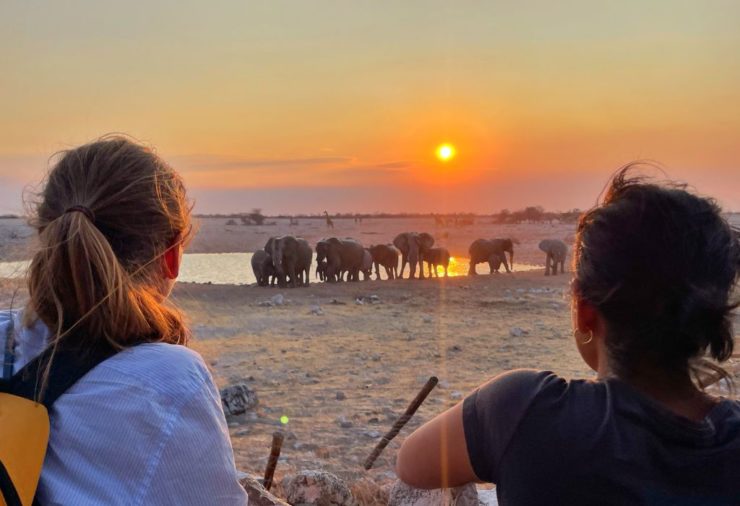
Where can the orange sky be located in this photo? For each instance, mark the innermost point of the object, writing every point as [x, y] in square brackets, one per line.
[302, 106]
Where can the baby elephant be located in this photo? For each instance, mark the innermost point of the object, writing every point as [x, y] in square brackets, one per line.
[556, 251]
[387, 256]
[263, 269]
[321, 268]
[437, 256]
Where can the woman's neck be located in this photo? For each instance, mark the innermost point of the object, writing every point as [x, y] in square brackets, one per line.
[674, 390]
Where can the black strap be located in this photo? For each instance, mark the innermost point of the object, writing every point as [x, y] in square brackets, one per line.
[9, 352]
[7, 489]
[68, 367]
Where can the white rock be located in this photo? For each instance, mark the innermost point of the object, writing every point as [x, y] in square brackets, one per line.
[518, 332]
[278, 299]
[237, 399]
[487, 497]
[404, 495]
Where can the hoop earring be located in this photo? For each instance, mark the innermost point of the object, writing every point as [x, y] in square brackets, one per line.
[577, 333]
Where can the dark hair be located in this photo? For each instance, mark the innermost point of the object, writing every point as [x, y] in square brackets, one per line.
[659, 264]
[107, 211]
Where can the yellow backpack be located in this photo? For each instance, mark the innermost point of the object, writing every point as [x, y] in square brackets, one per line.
[24, 423]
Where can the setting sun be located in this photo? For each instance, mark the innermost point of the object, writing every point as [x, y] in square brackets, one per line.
[445, 152]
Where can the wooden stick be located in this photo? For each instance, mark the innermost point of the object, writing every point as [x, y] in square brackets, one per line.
[277, 444]
[402, 420]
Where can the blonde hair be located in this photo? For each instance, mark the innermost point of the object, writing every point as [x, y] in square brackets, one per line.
[94, 280]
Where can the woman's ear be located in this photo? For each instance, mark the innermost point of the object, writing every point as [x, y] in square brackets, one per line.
[172, 258]
[587, 317]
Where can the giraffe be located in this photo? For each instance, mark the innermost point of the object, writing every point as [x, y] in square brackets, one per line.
[329, 222]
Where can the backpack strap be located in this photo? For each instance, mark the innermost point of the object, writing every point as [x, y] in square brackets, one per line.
[7, 490]
[68, 367]
[9, 352]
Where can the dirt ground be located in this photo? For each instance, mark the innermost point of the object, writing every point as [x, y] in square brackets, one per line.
[326, 361]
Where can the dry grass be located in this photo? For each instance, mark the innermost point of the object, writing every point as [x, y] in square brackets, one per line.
[369, 493]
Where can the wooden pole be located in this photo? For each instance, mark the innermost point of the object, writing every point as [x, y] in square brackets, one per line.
[277, 444]
[402, 420]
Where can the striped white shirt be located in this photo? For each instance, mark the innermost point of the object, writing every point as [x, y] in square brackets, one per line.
[143, 427]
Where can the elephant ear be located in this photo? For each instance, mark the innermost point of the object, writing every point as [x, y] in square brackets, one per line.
[426, 240]
[290, 241]
[401, 241]
[334, 241]
[268, 245]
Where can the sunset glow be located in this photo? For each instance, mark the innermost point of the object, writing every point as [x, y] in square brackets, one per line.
[311, 112]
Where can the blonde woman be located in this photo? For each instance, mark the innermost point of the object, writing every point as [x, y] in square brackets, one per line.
[145, 424]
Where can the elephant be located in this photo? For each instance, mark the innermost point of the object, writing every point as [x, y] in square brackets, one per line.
[387, 256]
[322, 259]
[340, 255]
[291, 258]
[367, 264]
[321, 270]
[412, 246]
[493, 252]
[263, 269]
[556, 250]
[437, 256]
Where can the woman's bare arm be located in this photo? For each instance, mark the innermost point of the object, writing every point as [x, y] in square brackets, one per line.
[436, 455]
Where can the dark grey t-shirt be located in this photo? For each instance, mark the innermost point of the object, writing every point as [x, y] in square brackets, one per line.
[545, 440]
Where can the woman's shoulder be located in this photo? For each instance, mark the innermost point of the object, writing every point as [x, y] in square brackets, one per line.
[523, 383]
[517, 393]
[168, 369]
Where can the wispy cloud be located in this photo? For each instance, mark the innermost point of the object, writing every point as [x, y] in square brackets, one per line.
[217, 162]
[215, 171]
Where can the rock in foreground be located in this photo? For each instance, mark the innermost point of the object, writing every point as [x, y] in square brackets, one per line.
[258, 496]
[404, 495]
[317, 488]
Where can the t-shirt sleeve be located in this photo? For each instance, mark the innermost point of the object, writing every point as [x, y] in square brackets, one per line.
[492, 413]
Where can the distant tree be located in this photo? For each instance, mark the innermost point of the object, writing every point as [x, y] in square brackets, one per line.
[256, 216]
[503, 216]
[570, 216]
[534, 213]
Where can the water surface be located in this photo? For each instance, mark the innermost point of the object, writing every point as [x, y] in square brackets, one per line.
[236, 269]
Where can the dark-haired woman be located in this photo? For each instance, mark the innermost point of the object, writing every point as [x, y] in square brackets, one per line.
[654, 267]
[145, 424]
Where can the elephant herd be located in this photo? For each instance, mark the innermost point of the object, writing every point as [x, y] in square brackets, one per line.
[286, 260]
